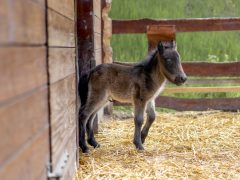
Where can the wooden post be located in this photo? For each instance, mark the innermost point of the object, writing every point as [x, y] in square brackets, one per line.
[165, 34]
[106, 31]
[106, 42]
[85, 40]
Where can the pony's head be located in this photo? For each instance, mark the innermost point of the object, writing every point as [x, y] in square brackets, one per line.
[170, 63]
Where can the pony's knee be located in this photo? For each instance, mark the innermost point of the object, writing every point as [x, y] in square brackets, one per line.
[151, 116]
[139, 120]
[82, 116]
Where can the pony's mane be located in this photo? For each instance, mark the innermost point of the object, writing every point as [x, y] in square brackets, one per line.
[151, 55]
[149, 58]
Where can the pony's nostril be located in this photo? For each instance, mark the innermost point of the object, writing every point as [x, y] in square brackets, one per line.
[183, 78]
[180, 79]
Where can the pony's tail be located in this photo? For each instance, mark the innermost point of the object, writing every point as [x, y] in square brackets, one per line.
[83, 88]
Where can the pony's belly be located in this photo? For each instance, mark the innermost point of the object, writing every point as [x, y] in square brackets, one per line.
[125, 98]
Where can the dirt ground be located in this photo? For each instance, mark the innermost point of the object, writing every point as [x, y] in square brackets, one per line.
[181, 145]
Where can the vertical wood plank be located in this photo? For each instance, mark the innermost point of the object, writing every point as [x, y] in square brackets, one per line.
[97, 24]
[85, 35]
[97, 8]
[61, 63]
[98, 56]
[61, 30]
[21, 69]
[97, 41]
[106, 32]
[22, 22]
[64, 7]
[31, 162]
[20, 121]
[63, 116]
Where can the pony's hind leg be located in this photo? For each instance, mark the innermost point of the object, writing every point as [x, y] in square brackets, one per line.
[91, 139]
[96, 100]
[151, 115]
[84, 115]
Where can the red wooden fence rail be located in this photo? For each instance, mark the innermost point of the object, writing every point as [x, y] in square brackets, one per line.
[182, 25]
[212, 69]
[183, 104]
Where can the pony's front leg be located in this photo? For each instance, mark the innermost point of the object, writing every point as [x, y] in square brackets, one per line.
[138, 121]
[151, 115]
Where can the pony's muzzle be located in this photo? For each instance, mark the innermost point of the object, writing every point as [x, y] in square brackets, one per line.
[180, 79]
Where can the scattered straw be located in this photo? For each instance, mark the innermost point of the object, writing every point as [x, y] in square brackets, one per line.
[188, 145]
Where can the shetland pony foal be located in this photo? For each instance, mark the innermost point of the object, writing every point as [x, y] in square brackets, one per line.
[138, 84]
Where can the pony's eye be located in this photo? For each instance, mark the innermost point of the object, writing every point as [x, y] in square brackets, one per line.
[169, 61]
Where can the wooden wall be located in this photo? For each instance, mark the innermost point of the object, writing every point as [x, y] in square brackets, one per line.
[24, 128]
[38, 97]
[62, 72]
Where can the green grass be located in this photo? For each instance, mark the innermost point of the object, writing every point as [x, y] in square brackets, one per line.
[199, 46]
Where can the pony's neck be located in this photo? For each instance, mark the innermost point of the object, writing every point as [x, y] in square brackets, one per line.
[152, 66]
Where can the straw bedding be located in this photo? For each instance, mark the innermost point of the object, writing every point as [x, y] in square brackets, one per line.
[182, 145]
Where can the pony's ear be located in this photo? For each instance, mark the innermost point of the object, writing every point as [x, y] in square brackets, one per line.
[173, 44]
[160, 48]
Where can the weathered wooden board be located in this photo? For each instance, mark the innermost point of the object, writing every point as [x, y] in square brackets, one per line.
[61, 30]
[156, 33]
[87, 25]
[20, 121]
[41, 2]
[61, 63]
[198, 104]
[214, 81]
[228, 69]
[30, 162]
[212, 69]
[71, 167]
[98, 56]
[85, 35]
[21, 70]
[182, 25]
[202, 89]
[22, 22]
[64, 7]
[97, 8]
[166, 34]
[97, 24]
[63, 114]
[70, 146]
[182, 104]
[97, 41]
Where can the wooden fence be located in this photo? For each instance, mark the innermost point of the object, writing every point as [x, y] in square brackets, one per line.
[199, 69]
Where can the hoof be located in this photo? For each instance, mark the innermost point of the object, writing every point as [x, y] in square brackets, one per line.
[97, 146]
[143, 139]
[85, 151]
[93, 143]
[139, 147]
